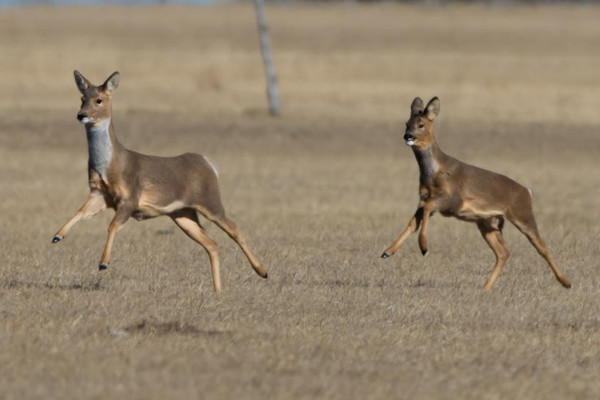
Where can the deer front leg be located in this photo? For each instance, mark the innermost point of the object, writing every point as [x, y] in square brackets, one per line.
[428, 209]
[93, 205]
[412, 226]
[117, 222]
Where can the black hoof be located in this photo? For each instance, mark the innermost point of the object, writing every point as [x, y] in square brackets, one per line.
[102, 267]
[385, 255]
[424, 252]
[56, 239]
[266, 275]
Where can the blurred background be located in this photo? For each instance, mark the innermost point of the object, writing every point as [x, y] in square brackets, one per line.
[25, 2]
[526, 61]
[320, 191]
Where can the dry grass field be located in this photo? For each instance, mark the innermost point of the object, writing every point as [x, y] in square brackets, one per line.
[319, 192]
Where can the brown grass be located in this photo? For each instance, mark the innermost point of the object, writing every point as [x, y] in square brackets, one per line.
[319, 192]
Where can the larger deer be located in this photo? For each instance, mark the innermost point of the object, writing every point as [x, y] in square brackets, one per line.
[143, 186]
[463, 191]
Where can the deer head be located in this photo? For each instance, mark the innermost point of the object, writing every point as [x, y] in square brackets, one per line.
[419, 127]
[95, 102]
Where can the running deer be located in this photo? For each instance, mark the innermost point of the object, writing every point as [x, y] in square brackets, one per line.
[466, 192]
[143, 186]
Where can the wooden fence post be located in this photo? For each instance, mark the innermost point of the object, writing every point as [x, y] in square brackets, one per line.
[265, 48]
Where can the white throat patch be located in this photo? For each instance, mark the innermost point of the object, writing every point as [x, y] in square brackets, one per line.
[99, 148]
[428, 164]
[431, 166]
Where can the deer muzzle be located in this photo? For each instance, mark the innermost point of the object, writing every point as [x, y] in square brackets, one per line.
[82, 117]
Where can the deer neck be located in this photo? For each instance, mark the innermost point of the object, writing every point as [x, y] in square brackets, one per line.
[430, 160]
[103, 147]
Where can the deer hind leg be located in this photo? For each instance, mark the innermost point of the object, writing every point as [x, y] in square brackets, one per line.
[491, 230]
[413, 225]
[525, 222]
[93, 205]
[231, 229]
[188, 221]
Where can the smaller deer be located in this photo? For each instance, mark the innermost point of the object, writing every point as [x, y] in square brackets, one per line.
[466, 192]
[142, 186]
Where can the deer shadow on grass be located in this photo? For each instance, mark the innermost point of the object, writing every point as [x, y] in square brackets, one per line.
[80, 286]
[155, 328]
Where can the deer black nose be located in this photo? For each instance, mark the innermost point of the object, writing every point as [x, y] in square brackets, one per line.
[81, 116]
[408, 136]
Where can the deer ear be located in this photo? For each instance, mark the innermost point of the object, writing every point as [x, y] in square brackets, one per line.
[432, 109]
[82, 83]
[112, 83]
[417, 106]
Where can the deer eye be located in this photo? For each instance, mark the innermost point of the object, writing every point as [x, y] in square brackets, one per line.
[421, 126]
[98, 101]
